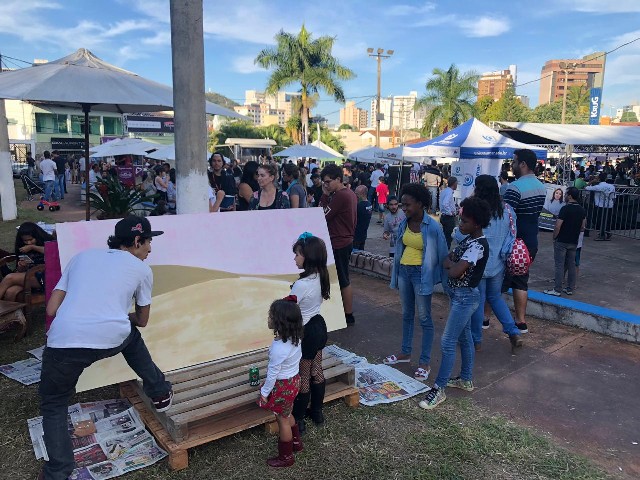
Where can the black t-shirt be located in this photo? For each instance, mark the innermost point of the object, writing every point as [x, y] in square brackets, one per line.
[365, 179]
[31, 162]
[317, 194]
[61, 163]
[364, 218]
[572, 216]
[476, 252]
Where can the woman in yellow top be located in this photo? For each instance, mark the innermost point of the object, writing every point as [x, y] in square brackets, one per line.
[417, 268]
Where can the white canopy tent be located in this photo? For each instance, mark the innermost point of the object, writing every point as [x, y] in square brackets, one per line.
[306, 151]
[579, 134]
[367, 155]
[323, 146]
[123, 146]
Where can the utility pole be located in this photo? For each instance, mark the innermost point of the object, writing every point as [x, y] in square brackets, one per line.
[379, 55]
[187, 55]
[566, 68]
[7, 187]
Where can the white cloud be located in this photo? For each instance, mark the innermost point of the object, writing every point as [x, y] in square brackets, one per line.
[485, 26]
[162, 38]
[127, 26]
[244, 64]
[601, 6]
[623, 70]
[402, 10]
[432, 21]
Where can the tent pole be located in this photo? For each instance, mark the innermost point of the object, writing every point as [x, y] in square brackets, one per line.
[86, 108]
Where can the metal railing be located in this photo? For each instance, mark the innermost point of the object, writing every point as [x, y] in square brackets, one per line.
[616, 213]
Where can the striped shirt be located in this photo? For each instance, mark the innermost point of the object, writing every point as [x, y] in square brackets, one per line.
[527, 195]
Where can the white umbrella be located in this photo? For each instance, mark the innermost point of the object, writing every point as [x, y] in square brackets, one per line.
[326, 148]
[82, 79]
[307, 151]
[124, 146]
[167, 153]
[367, 155]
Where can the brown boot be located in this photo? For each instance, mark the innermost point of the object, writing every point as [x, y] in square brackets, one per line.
[285, 456]
[516, 341]
[297, 441]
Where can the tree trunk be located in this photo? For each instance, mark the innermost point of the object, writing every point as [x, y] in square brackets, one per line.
[7, 187]
[187, 54]
[305, 117]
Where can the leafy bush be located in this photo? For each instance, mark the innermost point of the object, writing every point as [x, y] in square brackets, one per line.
[115, 200]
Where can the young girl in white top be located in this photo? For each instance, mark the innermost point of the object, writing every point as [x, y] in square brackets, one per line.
[311, 288]
[282, 384]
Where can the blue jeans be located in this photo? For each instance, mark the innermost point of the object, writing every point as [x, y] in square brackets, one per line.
[49, 190]
[490, 291]
[60, 186]
[61, 368]
[409, 279]
[464, 301]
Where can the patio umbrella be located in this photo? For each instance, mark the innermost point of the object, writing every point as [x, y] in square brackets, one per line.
[307, 151]
[82, 79]
[124, 146]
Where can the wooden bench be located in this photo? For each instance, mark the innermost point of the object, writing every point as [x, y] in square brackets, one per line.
[214, 400]
[11, 314]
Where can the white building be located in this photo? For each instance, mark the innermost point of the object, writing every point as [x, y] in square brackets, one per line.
[386, 106]
[263, 109]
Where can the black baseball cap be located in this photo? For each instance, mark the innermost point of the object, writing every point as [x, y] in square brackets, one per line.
[130, 227]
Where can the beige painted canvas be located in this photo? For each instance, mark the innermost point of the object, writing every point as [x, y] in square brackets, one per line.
[215, 276]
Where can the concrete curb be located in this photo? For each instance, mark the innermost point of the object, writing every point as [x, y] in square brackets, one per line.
[606, 321]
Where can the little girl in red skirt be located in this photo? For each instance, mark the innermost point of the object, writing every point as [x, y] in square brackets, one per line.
[282, 384]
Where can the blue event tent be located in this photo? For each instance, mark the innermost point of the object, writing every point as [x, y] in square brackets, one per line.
[472, 139]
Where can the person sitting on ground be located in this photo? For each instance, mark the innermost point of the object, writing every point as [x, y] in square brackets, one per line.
[268, 197]
[296, 190]
[248, 185]
[29, 248]
[382, 192]
[363, 218]
[465, 266]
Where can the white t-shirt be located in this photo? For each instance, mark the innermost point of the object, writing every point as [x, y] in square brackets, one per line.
[48, 168]
[82, 164]
[284, 362]
[100, 287]
[375, 177]
[309, 294]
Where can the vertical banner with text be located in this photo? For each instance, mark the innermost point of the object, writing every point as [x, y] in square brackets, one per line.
[594, 108]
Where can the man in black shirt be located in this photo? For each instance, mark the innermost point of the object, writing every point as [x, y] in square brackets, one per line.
[315, 191]
[364, 211]
[571, 221]
[61, 164]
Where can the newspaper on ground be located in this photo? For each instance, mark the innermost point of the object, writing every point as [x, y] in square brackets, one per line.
[37, 352]
[26, 371]
[108, 439]
[378, 383]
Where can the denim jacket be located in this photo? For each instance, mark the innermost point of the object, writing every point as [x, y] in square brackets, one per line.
[434, 251]
[500, 239]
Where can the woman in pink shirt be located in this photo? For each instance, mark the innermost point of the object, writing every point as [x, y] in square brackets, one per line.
[382, 191]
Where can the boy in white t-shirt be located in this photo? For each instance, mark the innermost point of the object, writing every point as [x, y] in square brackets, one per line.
[94, 323]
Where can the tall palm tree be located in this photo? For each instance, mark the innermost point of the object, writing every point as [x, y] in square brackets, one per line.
[449, 99]
[300, 59]
[578, 103]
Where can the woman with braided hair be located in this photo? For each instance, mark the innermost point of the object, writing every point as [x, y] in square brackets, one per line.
[311, 288]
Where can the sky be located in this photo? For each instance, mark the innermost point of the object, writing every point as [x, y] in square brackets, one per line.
[480, 36]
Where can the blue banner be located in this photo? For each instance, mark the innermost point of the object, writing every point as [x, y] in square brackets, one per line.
[594, 109]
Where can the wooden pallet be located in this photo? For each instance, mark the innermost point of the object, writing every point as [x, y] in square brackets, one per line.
[214, 400]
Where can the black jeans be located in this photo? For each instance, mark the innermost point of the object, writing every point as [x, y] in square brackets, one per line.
[61, 368]
[448, 223]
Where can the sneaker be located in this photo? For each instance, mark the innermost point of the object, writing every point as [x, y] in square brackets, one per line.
[466, 385]
[567, 291]
[515, 340]
[522, 327]
[485, 324]
[434, 397]
[552, 291]
[351, 321]
[162, 404]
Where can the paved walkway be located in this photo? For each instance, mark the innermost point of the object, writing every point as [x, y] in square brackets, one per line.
[71, 210]
[579, 387]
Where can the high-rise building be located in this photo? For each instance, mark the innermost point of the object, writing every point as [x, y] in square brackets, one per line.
[494, 84]
[523, 99]
[354, 116]
[386, 105]
[263, 108]
[588, 71]
[405, 116]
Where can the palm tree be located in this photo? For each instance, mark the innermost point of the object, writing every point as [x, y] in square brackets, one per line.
[578, 103]
[449, 99]
[299, 59]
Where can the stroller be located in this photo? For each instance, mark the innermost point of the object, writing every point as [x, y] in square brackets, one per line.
[32, 187]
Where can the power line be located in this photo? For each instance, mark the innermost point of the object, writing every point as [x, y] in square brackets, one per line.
[594, 58]
[357, 103]
[16, 59]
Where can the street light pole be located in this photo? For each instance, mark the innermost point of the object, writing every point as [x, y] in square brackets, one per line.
[379, 55]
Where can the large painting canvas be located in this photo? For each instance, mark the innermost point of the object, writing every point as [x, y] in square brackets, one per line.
[215, 276]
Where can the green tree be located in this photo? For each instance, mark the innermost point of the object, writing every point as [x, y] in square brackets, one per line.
[346, 126]
[507, 109]
[301, 59]
[220, 100]
[481, 107]
[629, 116]
[242, 129]
[328, 138]
[448, 99]
[277, 133]
[547, 113]
[293, 128]
[578, 104]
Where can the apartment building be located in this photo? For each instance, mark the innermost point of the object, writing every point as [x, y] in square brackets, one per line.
[588, 71]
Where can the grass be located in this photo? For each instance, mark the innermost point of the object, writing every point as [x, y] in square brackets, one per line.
[458, 440]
